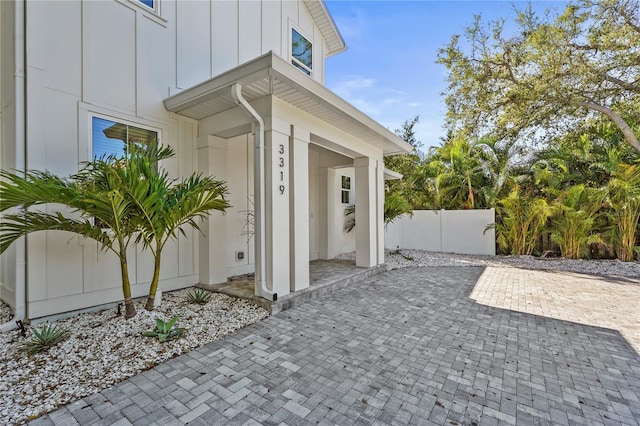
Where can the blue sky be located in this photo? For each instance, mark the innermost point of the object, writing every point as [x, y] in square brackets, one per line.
[389, 70]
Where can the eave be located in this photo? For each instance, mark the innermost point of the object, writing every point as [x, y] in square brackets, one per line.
[270, 75]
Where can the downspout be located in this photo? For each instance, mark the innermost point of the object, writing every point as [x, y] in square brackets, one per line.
[257, 127]
[21, 159]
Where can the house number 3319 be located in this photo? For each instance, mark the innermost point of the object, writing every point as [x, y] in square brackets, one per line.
[281, 166]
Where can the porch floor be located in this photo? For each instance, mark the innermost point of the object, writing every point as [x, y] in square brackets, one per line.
[325, 276]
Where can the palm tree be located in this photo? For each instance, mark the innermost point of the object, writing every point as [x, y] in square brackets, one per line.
[521, 221]
[97, 193]
[164, 206]
[574, 216]
[623, 196]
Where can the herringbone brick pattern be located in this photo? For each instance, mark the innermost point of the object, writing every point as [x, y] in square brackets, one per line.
[405, 347]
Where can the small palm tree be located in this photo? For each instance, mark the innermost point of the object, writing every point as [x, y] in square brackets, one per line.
[164, 206]
[96, 193]
[623, 196]
[522, 220]
[574, 216]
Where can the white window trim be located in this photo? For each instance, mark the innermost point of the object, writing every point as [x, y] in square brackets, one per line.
[86, 112]
[154, 14]
[309, 39]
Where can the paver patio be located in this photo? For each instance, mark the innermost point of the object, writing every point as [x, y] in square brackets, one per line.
[407, 346]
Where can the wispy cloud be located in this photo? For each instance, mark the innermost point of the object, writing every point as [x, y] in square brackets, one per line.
[368, 95]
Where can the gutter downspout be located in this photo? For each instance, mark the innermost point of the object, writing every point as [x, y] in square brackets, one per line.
[21, 158]
[257, 127]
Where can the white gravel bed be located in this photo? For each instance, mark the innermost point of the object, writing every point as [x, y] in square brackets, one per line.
[407, 258]
[6, 313]
[104, 349]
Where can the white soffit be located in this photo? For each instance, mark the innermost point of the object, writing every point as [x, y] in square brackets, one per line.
[271, 75]
[328, 29]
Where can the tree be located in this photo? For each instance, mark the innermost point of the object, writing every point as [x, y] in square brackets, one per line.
[165, 205]
[117, 199]
[553, 72]
[623, 195]
[97, 194]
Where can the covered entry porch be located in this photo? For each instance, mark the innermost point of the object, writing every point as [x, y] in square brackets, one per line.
[295, 134]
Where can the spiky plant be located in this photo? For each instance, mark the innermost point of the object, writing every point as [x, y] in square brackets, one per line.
[43, 338]
[198, 296]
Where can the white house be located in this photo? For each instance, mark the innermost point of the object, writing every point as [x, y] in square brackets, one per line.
[237, 88]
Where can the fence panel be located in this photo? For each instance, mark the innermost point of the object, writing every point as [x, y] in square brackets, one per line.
[450, 231]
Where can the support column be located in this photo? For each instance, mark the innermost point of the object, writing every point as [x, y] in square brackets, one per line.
[277, 224]
[327, 204]
[212, 160]
[366, 212]
[380, 210]
[299, 208]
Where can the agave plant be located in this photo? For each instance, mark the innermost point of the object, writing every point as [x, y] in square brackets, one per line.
[164, 330]
[198, 296]
[43, 339]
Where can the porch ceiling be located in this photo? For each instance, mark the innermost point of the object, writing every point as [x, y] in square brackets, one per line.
[271, 75]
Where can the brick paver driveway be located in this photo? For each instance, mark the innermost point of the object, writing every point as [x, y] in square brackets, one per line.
[407, 346]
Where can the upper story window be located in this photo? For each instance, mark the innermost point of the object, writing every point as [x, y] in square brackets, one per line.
[112, 138]
[149, 3]
[301, 52]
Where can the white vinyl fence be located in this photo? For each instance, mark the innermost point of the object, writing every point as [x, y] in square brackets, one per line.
[449, 231]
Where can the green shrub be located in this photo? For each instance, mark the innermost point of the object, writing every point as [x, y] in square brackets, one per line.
[198, 296]
[43, 339]
[164, 330]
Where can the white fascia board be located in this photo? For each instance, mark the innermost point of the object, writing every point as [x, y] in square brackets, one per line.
[327, 26]
[392, 175]
[271, 65]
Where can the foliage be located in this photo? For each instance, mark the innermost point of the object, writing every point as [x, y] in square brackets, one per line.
[573, 219]
[164, 330]
[552, 73]
[522, 220]
[198, 296]
[43, 339]
[97, 197]
[117, 199]
[623, 192]
[164, 205]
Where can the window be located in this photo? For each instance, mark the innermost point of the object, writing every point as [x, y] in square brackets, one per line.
[301, 52]
[111, 138]
[346, 189]
[149, 3]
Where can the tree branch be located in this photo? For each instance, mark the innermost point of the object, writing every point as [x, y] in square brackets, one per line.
[629, 136]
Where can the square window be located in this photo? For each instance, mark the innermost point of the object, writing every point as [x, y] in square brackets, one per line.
[301, 52]
[112, 138]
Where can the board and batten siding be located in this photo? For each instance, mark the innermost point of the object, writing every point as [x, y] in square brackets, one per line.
[119, 60]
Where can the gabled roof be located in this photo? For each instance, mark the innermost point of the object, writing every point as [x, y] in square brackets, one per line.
[328, 28]
[271, 75]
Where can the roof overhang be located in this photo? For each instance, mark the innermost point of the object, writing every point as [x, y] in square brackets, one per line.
[392, 175]
[328, 29]
[271, 75]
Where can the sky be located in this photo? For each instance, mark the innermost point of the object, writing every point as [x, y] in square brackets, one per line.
[389, 70]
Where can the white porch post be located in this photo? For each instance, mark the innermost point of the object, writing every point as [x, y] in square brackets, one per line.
[366, 212]
[380, 210]
[299, 208]
[327, 202]
[212, 160]
[277, 207]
